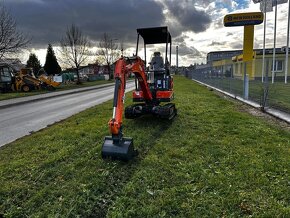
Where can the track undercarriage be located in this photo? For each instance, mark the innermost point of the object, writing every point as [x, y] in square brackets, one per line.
[167, 111]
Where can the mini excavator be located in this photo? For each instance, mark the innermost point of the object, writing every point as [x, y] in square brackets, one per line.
[153, 92]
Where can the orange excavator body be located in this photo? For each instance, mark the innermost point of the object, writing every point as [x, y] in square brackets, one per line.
[152, 88]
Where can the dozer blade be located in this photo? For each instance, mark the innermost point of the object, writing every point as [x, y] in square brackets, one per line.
[122, 150]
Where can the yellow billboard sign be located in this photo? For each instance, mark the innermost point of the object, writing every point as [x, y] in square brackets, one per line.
[248, 20]
[243, 19]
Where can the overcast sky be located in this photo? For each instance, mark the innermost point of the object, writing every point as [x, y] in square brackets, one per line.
[195, 25]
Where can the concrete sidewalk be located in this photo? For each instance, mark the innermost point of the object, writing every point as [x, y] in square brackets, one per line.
[23, 100]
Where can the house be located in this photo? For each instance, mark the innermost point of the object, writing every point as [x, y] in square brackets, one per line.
[221, 55]
[91, 72]
[254, 67]
[221, 64]
[15, 63]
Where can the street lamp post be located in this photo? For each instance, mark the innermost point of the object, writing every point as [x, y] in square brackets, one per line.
[287, 46]
[264, 8]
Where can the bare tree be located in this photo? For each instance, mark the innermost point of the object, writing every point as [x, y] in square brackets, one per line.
[11, 40]
[109, 51]
[74, 48]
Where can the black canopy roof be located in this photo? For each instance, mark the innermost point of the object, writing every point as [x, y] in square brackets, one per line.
[155, 35]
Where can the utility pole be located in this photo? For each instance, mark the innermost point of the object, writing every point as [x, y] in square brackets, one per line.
[176, 56]
[287, 46]
[274, 49]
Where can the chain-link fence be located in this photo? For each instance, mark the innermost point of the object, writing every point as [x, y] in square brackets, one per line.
[247, 80]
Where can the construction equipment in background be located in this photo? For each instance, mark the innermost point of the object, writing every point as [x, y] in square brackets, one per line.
[48, 80]
[153, 86]
[7, 78]
[26, 81]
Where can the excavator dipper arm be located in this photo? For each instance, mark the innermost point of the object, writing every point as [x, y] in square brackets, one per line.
[117, 146]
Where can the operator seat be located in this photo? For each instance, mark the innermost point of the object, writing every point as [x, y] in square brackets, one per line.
[157, 62]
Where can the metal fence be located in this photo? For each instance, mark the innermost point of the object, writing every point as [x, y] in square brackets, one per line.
[268, 89]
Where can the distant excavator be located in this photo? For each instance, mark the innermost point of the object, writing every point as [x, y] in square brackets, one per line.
[153, 86]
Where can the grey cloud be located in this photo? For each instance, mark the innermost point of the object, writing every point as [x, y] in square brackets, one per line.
[183, 49]
[190, 51]
[179, 39]
[215, 43]
[219, 24]
[236, 45]
[258, 43]
[47, 20]
[188, 16]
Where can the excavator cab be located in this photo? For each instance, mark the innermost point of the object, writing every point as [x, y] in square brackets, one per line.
[158, 72]
[159, 77]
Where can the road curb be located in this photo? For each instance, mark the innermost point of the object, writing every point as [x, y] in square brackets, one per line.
[19, 101]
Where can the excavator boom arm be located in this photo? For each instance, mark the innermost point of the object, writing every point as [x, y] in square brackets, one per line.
[118, 146]
[125, 66]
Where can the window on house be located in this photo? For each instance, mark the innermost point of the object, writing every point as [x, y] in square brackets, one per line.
[279, 66]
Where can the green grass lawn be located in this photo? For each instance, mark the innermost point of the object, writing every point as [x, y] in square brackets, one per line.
[62, 87]
[279, 96]
[212, 160]
[279, 92]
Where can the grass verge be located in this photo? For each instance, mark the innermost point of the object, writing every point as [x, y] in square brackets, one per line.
[211, 160]
[278, 92]
[62, 87]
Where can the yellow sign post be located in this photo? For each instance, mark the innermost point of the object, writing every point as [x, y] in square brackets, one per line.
[248, 43]
[248, 20]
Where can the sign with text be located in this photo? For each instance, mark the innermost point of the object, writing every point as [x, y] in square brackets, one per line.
[266, 6]
[279, 2]
[243, 19]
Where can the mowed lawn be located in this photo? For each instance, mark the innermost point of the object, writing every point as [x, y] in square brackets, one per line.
[212, 160]
[278, 96]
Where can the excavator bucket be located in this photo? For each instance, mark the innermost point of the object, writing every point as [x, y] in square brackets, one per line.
[121, 150]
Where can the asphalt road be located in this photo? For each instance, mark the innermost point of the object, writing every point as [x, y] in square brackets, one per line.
[20, 120]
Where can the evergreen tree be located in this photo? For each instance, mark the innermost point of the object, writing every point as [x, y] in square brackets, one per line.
[51, 65]
[33, 63]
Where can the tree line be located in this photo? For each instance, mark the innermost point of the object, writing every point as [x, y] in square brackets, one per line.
[51, 66]
[74, 47]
